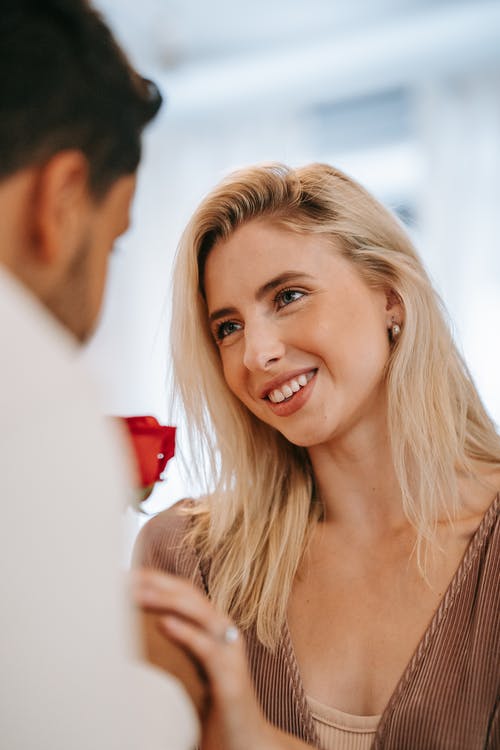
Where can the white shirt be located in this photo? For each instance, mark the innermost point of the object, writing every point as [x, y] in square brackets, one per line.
[67, 678]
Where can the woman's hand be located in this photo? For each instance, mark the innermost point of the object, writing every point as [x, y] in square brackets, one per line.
[233, 718]
[171, 658]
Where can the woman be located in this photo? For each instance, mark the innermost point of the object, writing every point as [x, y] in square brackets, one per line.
[350, 528]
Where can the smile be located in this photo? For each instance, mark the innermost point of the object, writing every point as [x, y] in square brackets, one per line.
[287, 390]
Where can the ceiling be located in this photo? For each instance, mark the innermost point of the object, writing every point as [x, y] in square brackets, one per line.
[173, 33]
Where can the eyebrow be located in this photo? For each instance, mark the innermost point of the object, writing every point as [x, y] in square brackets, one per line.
[262, 291]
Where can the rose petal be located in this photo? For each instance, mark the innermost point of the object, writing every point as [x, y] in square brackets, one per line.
[153, 444]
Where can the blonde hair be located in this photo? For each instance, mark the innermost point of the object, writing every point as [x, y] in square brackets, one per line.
[262, 506]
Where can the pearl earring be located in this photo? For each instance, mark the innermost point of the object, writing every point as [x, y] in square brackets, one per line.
[395, 331]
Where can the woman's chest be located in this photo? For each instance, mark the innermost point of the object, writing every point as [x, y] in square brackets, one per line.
[354, 628]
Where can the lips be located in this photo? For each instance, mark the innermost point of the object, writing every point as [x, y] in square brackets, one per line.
[298, 399]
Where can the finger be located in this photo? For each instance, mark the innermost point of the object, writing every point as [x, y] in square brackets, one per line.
[165, 593]
[141, 577]
[153, 582]
[173, 594]
[223, 662]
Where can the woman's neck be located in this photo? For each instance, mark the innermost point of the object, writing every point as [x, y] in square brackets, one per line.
[358, 488]
[357, 484]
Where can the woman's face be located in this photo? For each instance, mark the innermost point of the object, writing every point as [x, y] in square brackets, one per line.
[303, 340]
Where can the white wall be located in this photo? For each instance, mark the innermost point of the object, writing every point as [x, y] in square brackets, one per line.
[421, 129]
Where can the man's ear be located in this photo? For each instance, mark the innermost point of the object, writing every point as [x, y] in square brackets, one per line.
[61, 207]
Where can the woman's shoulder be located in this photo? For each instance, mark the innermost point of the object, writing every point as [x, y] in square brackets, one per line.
[162, 542]
[173, 521]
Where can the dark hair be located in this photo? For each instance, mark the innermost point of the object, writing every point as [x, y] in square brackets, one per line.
[65, 83]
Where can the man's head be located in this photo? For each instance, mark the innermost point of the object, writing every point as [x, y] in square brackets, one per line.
[72, 111]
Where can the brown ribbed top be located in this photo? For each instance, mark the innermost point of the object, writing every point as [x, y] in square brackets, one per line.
[448, 695]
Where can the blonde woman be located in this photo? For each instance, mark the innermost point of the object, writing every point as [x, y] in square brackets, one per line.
[348, 545]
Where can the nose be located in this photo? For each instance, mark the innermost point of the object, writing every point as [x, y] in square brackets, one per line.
[263, 346]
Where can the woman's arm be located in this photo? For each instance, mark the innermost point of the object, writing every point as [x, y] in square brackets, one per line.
[170, 657]
[157, 547]
[233, 719]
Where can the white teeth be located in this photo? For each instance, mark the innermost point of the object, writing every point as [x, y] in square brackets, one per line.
[288, 389]
[276, 397]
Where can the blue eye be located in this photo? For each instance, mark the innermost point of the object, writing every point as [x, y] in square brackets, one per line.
[287, 296]
[226, 328]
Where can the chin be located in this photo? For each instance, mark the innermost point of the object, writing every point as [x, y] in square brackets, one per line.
[307, 440]
[82, 332]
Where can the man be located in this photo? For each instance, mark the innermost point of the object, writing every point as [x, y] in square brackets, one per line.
[71, 115]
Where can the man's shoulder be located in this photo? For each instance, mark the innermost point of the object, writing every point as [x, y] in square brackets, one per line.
[23, 315]
[40, 359]
[51, 419]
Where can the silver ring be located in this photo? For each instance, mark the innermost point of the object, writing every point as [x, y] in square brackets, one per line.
[230, 634]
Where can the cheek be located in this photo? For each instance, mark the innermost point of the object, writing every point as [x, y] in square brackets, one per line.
[98, 278]
[355, 347]
[367, 359]
[233, 373]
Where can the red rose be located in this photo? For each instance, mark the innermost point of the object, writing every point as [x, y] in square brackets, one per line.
[153, 445]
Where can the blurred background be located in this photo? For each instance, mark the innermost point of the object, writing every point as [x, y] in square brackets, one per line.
[404, 95]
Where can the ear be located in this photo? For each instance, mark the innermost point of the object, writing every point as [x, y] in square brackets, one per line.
[61, 207]
[394, 308]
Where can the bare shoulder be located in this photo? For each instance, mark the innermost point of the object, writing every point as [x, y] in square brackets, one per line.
[488, 482]
[478, 494]
[492, 477]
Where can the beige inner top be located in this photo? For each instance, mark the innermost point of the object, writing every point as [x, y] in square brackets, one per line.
[340, 731]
